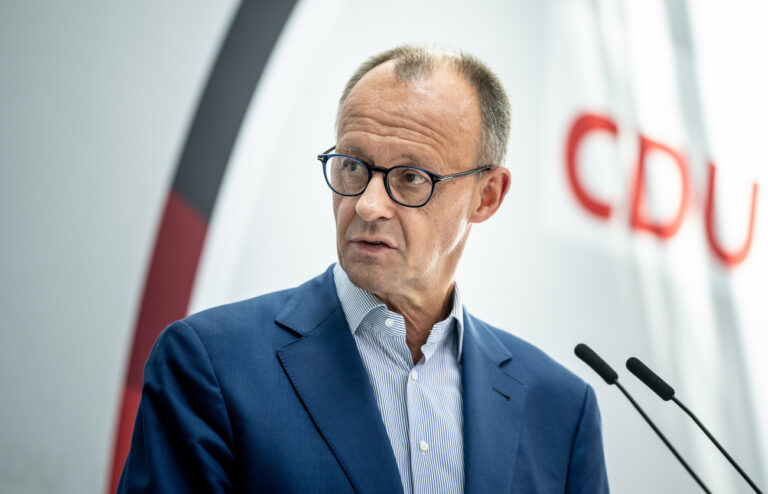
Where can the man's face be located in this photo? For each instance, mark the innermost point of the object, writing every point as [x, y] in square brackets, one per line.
[431, 123]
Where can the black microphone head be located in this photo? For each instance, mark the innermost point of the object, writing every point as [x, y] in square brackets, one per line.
[657, 384]
[598, 365]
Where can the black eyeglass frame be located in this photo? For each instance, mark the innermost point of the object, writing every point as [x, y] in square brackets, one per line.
[435, 178]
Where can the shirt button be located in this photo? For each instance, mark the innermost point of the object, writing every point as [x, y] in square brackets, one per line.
[389, 322]
[423, 446]
[414, 375]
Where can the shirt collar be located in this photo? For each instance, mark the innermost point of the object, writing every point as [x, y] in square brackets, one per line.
[358, 303]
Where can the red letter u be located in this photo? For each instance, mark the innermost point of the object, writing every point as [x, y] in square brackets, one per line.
[735, 257]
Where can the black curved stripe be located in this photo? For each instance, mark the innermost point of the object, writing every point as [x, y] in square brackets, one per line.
[240, 63]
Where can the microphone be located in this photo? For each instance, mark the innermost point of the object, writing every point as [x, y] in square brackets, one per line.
[666, 393]
[611, 377]
[598, 365]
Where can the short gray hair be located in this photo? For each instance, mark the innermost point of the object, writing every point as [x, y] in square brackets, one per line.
[413, 62]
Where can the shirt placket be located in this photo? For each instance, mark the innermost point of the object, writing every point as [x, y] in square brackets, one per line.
[418, 442]
[418, 413]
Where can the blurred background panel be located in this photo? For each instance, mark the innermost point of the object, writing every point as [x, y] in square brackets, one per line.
[159, 159]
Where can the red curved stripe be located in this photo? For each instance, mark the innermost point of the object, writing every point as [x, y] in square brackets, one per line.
[166, 297]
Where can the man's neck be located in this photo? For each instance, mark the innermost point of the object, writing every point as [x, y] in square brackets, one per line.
[420, 316]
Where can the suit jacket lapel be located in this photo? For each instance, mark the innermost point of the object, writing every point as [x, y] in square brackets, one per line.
[493, 402]
[327, 373]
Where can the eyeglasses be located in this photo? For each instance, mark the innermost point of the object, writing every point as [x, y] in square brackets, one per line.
[406, 185]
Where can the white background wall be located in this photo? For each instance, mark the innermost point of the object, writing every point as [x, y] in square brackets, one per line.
[96, 101]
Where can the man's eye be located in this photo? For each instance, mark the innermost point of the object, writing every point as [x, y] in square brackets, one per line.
[352, 166]
[414, 178]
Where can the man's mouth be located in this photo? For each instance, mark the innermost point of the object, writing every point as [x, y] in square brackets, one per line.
[371, 245]
[372, 241]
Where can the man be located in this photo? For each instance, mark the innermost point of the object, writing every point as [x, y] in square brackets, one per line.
[372, 377]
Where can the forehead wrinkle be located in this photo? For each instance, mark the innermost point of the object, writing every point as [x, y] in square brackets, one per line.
[407, 130]
[435, 121]
[421, 154]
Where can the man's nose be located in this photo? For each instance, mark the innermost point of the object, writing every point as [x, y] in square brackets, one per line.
[375, 203]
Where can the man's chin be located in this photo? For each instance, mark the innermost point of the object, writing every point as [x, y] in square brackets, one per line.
[370, 277]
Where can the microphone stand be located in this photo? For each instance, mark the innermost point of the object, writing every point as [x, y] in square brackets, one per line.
[663, 438]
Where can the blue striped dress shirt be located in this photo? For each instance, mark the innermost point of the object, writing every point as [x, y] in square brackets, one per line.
[419, 404]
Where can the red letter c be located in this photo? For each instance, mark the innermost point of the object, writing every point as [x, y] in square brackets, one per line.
[583, 125]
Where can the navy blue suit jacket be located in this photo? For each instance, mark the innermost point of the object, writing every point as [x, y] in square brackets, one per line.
[270, 395]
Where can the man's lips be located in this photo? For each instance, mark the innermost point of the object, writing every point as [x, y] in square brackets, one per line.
[373, 242]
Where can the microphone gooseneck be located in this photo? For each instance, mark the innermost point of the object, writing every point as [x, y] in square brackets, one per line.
[665, 392]
[610, 376]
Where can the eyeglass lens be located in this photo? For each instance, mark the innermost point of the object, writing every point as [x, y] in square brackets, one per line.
[409, 186]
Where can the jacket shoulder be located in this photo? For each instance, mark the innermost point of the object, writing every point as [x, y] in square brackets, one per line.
[230, 320]
[244, 312]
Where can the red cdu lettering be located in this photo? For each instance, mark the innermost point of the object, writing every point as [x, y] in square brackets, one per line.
[639, 218]
[584, 125]
[737, 256]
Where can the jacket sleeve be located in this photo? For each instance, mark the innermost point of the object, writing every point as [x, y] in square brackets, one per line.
[586, 470]
[182, 439]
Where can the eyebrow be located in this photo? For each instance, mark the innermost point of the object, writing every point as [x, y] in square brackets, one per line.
[355, 152]
[359, 153]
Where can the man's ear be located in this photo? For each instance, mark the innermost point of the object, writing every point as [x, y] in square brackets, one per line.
[495, 185]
